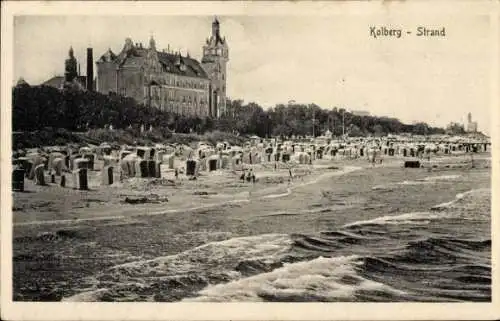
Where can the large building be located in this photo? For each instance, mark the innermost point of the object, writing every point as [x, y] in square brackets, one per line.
[168, 80]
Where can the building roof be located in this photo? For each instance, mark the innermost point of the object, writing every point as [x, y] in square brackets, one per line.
[192, 67]
[59, 81]
[56, 82]
[173, 63]
[107, 56]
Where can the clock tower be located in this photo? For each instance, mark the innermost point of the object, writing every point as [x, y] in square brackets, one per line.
[214, 62]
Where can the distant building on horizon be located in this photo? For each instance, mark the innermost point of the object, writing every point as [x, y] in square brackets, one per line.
[471, 125]
[360, 113]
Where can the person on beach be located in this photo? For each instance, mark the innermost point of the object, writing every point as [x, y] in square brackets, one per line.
[176, 173]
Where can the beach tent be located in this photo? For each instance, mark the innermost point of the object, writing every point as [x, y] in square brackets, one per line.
[104, 149]
[144, 152]
[39, 174]
[213, 163]
[34, 160]
[128, 165]
[225, 161]
[85, 150]
[191, 167]
[236, 162]
[109, 160]
[58, 166]
[52, 156]
[170, 160]
[185, 151]
[80, 163]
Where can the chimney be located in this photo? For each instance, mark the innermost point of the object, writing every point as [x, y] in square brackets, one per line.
[90, 70]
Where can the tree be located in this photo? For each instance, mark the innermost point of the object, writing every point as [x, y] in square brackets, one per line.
[355, 131]
[378, 130]
[36, 107]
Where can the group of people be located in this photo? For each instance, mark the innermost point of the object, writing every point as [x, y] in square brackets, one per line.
[248, 175]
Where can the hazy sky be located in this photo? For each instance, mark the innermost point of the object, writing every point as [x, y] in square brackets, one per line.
[328, 60]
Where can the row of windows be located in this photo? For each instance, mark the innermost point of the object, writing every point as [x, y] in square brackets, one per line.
[182, 109]
[160, 93]
[214, 51]
[186, 83]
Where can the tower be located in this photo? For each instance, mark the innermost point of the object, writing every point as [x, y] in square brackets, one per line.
[469, 118]
[90, 70]
[214, 61]
[70, 67]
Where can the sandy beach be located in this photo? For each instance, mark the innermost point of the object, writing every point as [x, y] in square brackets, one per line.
[65, 240]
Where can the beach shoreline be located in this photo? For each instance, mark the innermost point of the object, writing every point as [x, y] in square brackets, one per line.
[52, 245]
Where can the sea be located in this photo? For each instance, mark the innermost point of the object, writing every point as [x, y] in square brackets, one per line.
[438, 253]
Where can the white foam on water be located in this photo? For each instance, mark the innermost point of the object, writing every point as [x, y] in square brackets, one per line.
[321, 279]
[421, 218]
[88, 296]
[212, 254]
[219, 257]
[460, 196]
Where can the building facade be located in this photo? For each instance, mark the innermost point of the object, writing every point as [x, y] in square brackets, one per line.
[166, 80]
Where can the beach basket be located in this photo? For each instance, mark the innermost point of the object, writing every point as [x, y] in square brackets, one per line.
[18, 179]
[190, 167]
[107, 175]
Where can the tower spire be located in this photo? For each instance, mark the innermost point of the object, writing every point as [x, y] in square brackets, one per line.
[216, 28]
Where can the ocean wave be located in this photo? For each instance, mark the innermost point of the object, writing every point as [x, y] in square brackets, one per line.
[443, 250]
[473, 204]
[321, 279]
[414, 218]
[212, 253]
[213, 262]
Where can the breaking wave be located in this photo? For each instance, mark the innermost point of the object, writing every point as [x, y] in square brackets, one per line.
[426, 256]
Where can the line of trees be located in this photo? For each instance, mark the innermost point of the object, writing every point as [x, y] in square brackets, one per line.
[38, 107]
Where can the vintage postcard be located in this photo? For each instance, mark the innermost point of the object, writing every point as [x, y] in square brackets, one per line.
[250, 160]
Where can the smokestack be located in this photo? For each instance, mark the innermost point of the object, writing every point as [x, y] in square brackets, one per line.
[90, 70]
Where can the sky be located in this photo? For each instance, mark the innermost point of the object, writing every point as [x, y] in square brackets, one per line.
[328, 60]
